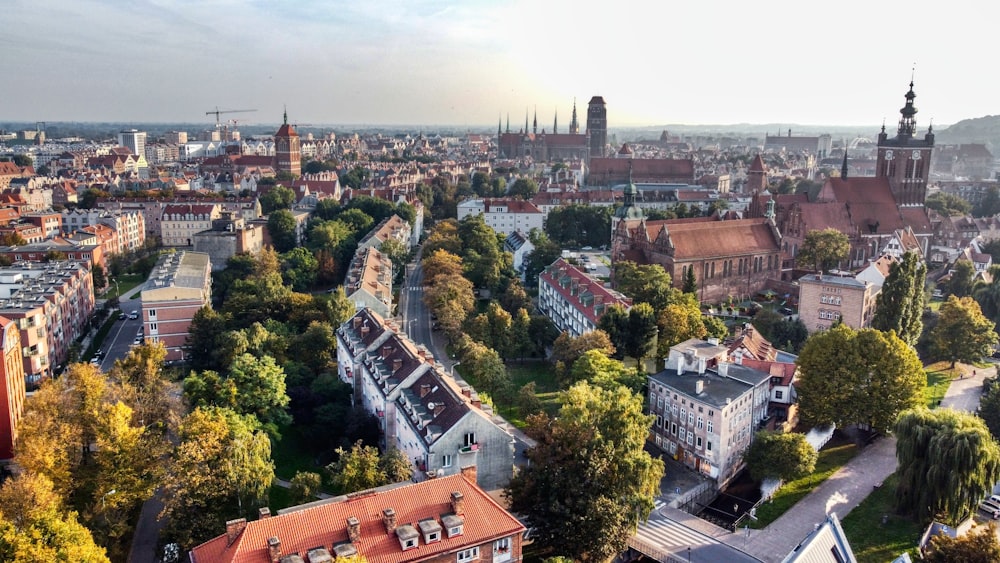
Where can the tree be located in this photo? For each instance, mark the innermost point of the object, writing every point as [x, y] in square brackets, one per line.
[396, 466]
[451, 299]
[976, 546]
[690, 282]
[962, 332]
[299, 268]
[900, 304]
[589, 481]
[524, 188]
[305, 485]
[948, 462]
[648, 283]
[948, 204]
[567, 348]
[278, 197]
[596, 368]
[679, 322]
[283, 230]
[485, 369]
[221, 469]
[440, 262]
[640, 338]
[861, 377]
[823, 250]
[988, 296]
[528, 401]
[989, 205]
[34, 528]
[962, 279]
[261, 390]
[357, 470]
[779, 455]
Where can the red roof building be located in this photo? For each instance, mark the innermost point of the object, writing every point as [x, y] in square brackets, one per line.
[444, 519]
[574, 301]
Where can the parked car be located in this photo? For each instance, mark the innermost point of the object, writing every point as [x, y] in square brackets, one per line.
[122, 316]
[991, 508]
[141, 333]
[133, 315]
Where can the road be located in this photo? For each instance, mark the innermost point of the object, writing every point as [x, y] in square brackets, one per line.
[123, 333]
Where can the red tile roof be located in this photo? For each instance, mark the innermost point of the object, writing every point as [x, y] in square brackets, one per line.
[286, 130]
[784, 370]
[324, 523]
[716, 239]
[870, 202]
[590, 297]
[643, 169]
[757, 165]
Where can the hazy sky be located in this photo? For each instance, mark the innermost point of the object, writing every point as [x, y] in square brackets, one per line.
[457, 62]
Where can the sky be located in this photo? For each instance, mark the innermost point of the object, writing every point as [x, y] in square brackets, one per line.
[472, 62]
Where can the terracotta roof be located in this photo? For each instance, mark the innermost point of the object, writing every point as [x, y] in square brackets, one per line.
[286, 130]
[784, 370]
[643, 169]
[324, 523]
[753, 343]
[582, 292]
[512, 205]
[870, 202]
[711, 239]
[884, 264]
[757, 165]
[625, 149]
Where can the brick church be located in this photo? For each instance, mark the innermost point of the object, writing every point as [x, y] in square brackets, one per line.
[555, 145]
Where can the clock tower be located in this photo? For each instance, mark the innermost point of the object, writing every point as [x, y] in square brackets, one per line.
[905, 160]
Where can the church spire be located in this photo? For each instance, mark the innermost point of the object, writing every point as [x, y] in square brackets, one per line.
[508, 122]
[285, 116]
[525, 121]
[907, 120]
[555, 123]
[574, 125]
[534, 122]
[843, 167]
[499, 123]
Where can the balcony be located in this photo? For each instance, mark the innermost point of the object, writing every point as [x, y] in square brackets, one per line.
[471, 448]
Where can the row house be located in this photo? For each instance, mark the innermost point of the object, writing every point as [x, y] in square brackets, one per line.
[64, 193]
[504, 215]
[574, 301]
[51, 304]
[369, 281]
[824, 300]
[179, 286]
[181, 221]
[9, 171]
[50, 222]
[446, 520]
[129, 226]
[31, 234]
[31, 195]
[44, 251]
[105, 236]
[437, 421]
[391, 228]
[707, 409]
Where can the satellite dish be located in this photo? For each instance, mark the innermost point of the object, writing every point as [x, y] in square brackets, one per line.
[430, 406]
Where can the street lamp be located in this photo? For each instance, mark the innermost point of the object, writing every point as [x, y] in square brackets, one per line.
[689, 555]
[409, 327]
[453, 368]
[111, 492]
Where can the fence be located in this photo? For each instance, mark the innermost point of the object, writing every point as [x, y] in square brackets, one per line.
[654, 552]
[702, 495]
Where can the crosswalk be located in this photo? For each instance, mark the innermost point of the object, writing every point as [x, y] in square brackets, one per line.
[667, 540]
[416, 288]
[667, 534]
[658, 503]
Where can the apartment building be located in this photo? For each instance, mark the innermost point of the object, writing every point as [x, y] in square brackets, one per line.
[504, 215]
[444, 520]
[825, 299]
[707, 409]
[437, 421]
[574, 301]
[369, 281]
[181, 221]
[12, 392]
[391, 228]
[178, 287]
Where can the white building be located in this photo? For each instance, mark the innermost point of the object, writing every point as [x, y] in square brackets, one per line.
[574, 301]
[505, 216]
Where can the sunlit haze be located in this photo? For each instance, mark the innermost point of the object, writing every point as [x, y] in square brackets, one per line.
[469, 62]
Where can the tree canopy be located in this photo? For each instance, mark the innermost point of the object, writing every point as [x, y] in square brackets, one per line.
[823, 249]
[976, 546]
[948, 462]
[862, 377]
[900, 304]
[948, 204]
[780, 455]
[589, 482]
[962, 333]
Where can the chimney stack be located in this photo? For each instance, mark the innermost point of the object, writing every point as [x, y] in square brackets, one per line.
[458, 501]
[357, 322]
[364, 331]
[699, 387]
[469, 472]
[386, 350]
[438, 407]
[264, 512]
[425, 388]
[234, 528]
[274, 549]
[353, 529]
[389, 520]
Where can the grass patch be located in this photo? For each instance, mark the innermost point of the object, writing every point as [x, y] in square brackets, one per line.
[279, 497]
[291, 454]
[873, 541]
[546, 389]
[938, 381]
[830, 460]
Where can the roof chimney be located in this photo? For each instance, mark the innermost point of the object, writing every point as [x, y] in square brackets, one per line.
[458, 501]
[425, 388]
[386, 350]
[469, 472]
[357, 322]
[364, 331]
[274, 549]
[353, 529]
[389, 520]
[438, 407]
[396, 364]
[699, 387]
[264, 512]
[233, 529]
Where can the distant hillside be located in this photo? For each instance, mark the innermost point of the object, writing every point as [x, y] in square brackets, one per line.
[975, 130]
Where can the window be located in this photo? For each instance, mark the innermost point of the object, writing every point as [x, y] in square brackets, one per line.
[711, 427]
[152, 313]
[779, 394]
[456, 531]
[502, 545]
[691, 418]
[690, 438]
[659, 421]
[468, 554]
[470, 439]
[708, 446]
[698, 442]
[683, 434]
[683, 414]
[673, 428]
[446, 460]
[152, 328]
[701, 423]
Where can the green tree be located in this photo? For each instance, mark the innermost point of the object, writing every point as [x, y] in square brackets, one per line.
[596, 368]
[614, 322]
[299, 269]
[779, 455]
[640, 339]
[989, 409]
[988, 296]
[962, 332]
[900, 304]
[485, 369]
[395, 465]
[989, 205]
[977, 546]
[948, 462]
[283, 230]
[948, 204]
[524, 188]
[261, 390]
[356, 219]
[962, 279]
[527, 400]
[823, 250]
[589, 481]
[357, 469]
[305, 485]
[690, 282]
[679, 322]
[278, 197]
[862, 377]
[567, 348]
[221, 469]
[648, 283]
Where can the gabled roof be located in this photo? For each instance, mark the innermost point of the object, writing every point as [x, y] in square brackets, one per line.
[324, 523]
[757, 164]
[708, 239]
[869, 201]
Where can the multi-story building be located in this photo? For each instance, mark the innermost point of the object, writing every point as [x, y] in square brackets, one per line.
[504, 216]
[391, 228]
[288, 157]
[229, 236]
[129, 226]
[133, 140]
[369, 281]
[574, 301]
[824, 299]
[181, 221]
[597, 126]
[91, 254]
[178, 287]
[707, 409]
[437, 521]
[175, 137]
[436, 420]
[520, 247]
[12, 393]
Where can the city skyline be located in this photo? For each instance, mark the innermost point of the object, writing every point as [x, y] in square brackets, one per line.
[450, 63]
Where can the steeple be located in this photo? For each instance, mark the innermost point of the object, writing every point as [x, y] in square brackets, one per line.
[525, 121]
[499, 123]
[508, 122]
[534, 122]
[574, 125]
[285, 116]
[907, 120]
[843, 167]
[555, 123]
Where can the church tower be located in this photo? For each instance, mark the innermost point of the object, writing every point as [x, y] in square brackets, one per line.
[905, 160]
[574, 125]
[756, 187]
[286, 149]
[597, 125]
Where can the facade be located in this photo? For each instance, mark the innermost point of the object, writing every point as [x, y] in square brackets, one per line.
[50, 223]
[181, 221]
[436, 420]
[706, 408]
[444, 520]
[133, 140]
[129, 226]
[369, 281]
[597, 126]
[178, 287]
[608, 171]
[504, 216]
[391, 228]
[825, 299]
[574, 301]
[519, 246]
[12, 394]
[229, 236]
[288, 153]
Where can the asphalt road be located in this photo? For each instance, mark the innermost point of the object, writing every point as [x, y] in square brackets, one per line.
[122, 335]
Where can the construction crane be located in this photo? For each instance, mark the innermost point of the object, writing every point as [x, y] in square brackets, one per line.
[217, 112]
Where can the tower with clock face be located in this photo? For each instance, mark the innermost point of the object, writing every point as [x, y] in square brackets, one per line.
[905, 160]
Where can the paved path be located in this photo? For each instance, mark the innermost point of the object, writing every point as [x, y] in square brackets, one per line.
[964, 393]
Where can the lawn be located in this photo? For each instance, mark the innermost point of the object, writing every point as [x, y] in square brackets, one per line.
[125, 283]
[546, 389]
[873, 541]
[290, 454]
[830, 460]
[939, 377]
[278, 498]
